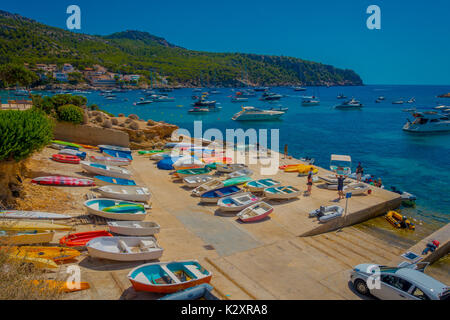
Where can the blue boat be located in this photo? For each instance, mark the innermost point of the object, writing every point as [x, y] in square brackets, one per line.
[117, 154]
[202, 291]
[104, 180]
[74, 152]
[114, 148]
[214, 195]
[167, 162]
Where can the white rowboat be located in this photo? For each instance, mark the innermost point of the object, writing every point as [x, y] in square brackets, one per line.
[134, 228]
[129, 193]
[124, 248]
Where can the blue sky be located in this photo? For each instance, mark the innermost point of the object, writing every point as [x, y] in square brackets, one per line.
[412, 46]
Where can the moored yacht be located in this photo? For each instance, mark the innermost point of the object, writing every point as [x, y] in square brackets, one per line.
[350, 104]
[270, 96]
[313, 101]
[253, 114]
[428, 121]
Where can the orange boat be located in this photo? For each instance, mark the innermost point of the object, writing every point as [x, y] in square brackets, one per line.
[396, 220]
[168, 277]
[224, 160]
[86, 146]
[81, 238]
[62, 285]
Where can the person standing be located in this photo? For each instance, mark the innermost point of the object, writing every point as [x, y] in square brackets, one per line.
[309, 182]
[340, 186]
[359, 172]
[285, 151]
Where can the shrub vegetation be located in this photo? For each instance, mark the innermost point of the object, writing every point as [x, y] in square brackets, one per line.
[23, 132]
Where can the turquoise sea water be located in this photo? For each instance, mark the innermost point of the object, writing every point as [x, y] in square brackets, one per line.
[419, 164]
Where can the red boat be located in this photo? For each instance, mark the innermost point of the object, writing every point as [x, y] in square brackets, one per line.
[63, 181]
[81, 238]
[66, 158]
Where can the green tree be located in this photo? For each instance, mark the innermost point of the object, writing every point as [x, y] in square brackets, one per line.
[11, 74]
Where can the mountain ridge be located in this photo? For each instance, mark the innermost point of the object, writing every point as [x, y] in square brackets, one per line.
[23, 40]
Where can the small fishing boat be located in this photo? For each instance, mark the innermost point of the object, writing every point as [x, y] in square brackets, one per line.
[332, 180]
[200, 292]
[12, 225]
[127, 193]
[72, 152]
[240, 173]
[168, 277]
[116, 209]
[25, 237]
[67, 144]
[327, 213]
[236, 181]
[213, 196]
[183, 164]
[227, 168]
[63, 181]
[80, 239]
[125, 248]
[237, 202]
[104, 180]
[261, 184]
[255, 212]
[281, 192]
[207, 186]
[18, 214]
[114, 148]
[134, 228]
[110, 161]
[192, 172]
[117, 154]
[104, 170]
[57, 254]
[195, 181]
[399, 221]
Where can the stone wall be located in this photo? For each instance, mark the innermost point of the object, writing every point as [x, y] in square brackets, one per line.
[92, 135]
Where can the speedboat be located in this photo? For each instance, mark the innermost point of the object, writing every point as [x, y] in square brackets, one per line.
[199, 110]
[401, 101]
[428, 121]
[270, 96]
[239, 98]
[254, 114]
[299, 89]
[142, 101]
[311, 102]
[350, 104]
[381, 98]
[412, 100]
[202, 102]
[261, 88]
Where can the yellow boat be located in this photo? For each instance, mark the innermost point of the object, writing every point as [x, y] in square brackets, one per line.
[396, 219]
[56, 254]
[37, 262]
[62, 285]
[31, 225]
[21, 238]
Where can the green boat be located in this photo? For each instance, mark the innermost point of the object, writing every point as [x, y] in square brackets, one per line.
[236, 181]
[64, 143]
[192, 172]
[150, 151]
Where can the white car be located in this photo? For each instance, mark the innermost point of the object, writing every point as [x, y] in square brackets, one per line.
[393, 283]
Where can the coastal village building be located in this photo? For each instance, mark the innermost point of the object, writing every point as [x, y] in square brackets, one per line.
[61, 76]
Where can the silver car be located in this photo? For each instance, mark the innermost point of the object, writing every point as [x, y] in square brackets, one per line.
[393, 283]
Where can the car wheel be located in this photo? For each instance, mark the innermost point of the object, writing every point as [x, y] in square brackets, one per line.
[361, 287]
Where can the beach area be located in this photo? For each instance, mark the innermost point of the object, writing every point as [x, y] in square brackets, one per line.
[287, 256]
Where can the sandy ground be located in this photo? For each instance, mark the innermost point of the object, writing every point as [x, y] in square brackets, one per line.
[270, 259]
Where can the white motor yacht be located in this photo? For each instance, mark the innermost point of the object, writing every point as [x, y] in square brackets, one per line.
[428, 121]
[252, 114]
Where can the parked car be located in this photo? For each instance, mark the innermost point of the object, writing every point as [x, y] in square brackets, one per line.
[406, 283]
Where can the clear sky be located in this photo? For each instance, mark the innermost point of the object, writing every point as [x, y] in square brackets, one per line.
[412, 46]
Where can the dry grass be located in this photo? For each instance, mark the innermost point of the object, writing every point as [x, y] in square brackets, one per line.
[16, 281]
